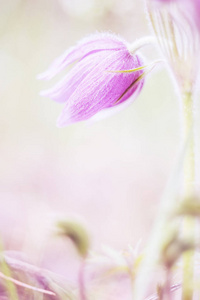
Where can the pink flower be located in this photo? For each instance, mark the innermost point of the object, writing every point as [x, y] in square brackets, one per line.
[195, 7]
[91, 85]
[190, 9]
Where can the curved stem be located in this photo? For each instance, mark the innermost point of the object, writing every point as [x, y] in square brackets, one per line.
[140, 43]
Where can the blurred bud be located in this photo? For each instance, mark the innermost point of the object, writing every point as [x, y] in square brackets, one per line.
[77, 233]
[190, 207]
[173, 247]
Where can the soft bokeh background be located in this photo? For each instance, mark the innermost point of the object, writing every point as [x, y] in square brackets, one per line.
[112, 173]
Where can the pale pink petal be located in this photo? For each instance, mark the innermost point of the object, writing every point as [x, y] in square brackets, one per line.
[63, 89]
[92, 44]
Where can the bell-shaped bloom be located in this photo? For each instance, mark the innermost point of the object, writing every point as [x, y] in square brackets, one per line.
[94, 84]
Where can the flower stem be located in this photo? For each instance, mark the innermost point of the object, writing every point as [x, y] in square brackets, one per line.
[140, 43]
[82, 292]
[189, 166]
[168, 294]
[189, 178]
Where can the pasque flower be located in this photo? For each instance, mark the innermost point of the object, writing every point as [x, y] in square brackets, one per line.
[176, 24]
[96, 82]
[189, 8]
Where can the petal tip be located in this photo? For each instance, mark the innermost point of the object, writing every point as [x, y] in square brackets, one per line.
[44, 76]
[40, 76]
[43, 93]
[63, 121]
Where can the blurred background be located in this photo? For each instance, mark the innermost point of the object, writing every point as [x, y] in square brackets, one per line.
[110, 174]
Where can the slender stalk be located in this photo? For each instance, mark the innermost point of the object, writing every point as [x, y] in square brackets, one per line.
[82, 292]
[189, 179]
[189, 166]
[167, 290]
[153, 250]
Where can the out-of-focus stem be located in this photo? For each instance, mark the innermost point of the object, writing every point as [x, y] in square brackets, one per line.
[189, 178]
[82, 292]
[189, 165]
[168, 294]
[155, 245]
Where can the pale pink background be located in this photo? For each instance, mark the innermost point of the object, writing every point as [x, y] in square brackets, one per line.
[110, 174]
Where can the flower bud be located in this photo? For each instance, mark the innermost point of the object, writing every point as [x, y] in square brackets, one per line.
[173, 247]
[76, 233]
[188, 207]
[90, 87]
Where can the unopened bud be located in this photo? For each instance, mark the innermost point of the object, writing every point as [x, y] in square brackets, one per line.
[77, 233]
[173, 248]
[190, 207]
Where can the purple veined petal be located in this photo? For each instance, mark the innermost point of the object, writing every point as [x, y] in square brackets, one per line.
[131, 89]
[108, 112]
[84, 113]
[92, 44]
[63, 89]
[91, 86]
[100, 89]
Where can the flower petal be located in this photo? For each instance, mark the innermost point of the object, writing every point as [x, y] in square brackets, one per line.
[63, 89]
[110, 111]
[101, 89]
[92, 44]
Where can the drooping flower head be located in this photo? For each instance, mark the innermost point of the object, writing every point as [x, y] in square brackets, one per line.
[92, 85]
